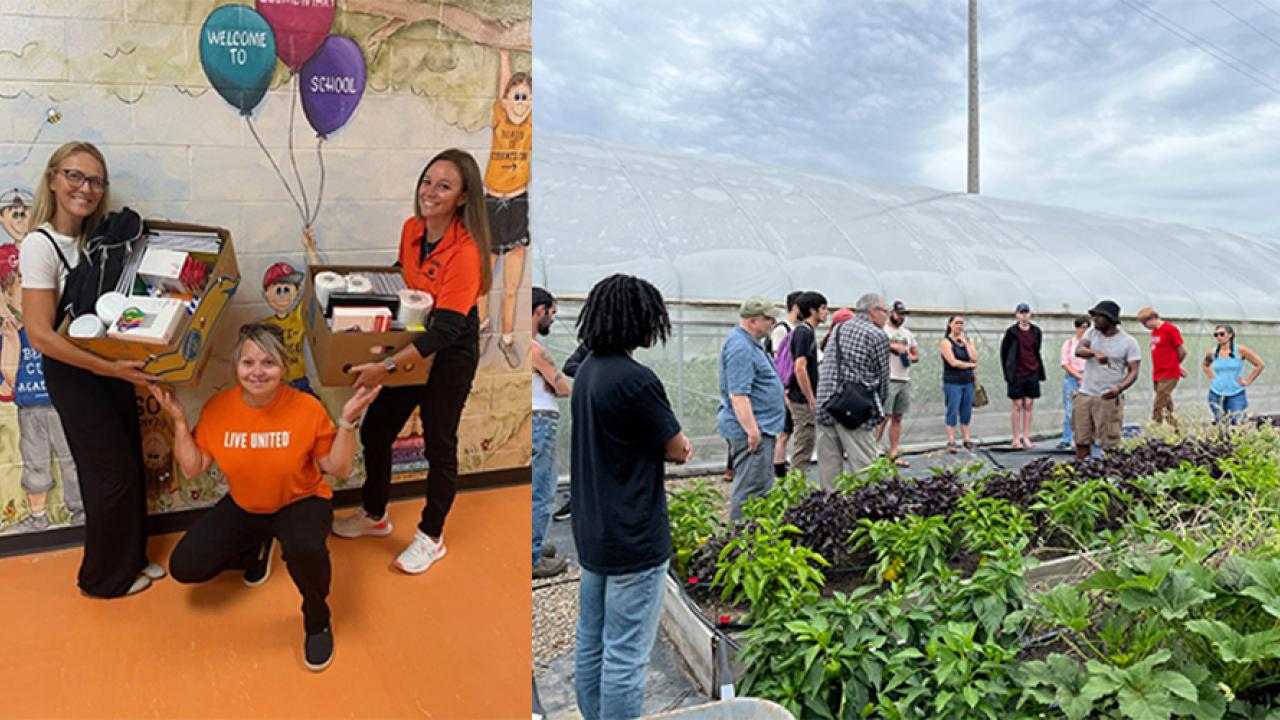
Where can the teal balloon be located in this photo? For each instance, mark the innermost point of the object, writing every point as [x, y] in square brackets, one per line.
[238, 53]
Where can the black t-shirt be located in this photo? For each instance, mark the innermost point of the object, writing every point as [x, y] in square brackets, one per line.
[804, 344]
[621, 421]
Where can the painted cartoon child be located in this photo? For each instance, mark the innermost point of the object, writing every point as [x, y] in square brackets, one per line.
[506, 182]
[282, 289]
[15, 205]
[40, 436]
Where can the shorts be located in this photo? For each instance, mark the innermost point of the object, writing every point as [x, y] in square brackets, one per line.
[789, 425]
[508, 222]
[899, 398]
[1023, 388]
[1095, 420]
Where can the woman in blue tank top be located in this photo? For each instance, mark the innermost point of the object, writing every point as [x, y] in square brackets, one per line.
[1223, 367]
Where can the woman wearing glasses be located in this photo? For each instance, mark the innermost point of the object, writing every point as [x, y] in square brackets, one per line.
[271, 442]
[94, 396]
[444, 251]
[1223, 367]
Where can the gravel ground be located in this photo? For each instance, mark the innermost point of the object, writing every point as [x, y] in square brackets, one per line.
[555, 611]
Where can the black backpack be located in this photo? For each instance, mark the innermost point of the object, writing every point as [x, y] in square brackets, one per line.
[101, 263]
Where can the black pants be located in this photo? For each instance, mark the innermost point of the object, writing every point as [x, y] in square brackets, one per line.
[100, 418]
[227, 537]
[439, 404]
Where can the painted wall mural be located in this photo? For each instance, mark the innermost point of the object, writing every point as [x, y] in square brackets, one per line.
[301, 128]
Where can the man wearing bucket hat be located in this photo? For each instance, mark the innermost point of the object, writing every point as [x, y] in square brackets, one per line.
[1111, 367]
[752, 403]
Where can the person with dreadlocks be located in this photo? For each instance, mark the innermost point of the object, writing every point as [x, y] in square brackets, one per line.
[622, 431]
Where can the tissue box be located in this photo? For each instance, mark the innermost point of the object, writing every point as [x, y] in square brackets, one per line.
[159, 321]
[162, 268]
[361, 319]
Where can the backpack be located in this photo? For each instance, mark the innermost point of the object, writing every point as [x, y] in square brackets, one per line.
[784, 362]
[102, 262]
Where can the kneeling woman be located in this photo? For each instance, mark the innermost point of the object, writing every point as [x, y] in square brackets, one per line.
[271, 443]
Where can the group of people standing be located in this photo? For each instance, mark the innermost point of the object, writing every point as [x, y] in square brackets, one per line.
[273, 443]
[776, 383]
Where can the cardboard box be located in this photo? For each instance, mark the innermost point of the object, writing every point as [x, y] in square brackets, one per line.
[182, 360]
[334, 353]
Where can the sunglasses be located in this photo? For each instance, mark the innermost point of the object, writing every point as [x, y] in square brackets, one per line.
[1220, 334]
[249, 328]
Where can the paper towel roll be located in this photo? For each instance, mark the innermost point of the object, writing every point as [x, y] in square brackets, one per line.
[326, 283]
[359, 284]
[109, 307]
[86, 326]
[414, 306]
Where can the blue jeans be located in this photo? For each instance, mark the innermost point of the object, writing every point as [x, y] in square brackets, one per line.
[617, 623]
[1230, 407]
[959, 402]
[1070, 384]
[544, 478]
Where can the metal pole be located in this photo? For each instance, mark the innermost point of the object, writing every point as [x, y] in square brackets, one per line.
[973, 97]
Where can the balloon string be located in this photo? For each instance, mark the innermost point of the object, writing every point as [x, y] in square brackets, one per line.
[320, 193]
[30, 146]
[249, 121]
[302, 187]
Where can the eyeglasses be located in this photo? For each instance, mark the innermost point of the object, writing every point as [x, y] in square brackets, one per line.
[77, 178]
[520, 96]
[249, 328]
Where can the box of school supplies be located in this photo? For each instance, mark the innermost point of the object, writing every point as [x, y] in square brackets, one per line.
[346, 317]
[169, 321]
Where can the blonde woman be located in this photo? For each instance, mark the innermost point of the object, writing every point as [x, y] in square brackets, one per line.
[94, 396]
[444, 251]
[272, 442]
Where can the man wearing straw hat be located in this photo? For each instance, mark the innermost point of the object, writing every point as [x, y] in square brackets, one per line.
[752, 404]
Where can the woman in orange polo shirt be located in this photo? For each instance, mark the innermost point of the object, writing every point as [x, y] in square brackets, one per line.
[444, 251]
[271, 442]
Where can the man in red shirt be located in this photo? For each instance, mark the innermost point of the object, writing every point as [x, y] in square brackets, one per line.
[1167, 353]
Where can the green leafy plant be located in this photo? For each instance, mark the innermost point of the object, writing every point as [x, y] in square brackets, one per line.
[764, 568]
[906, 548]
[789, 491]
[884, 468]
[1075, 506]
[989, 524]
[695, 518]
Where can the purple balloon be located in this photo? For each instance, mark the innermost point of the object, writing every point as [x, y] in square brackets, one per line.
[332, 83]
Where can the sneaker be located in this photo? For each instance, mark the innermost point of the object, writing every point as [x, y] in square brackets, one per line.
[318, 649]
[34, 523]
[77, 517]
[359, 523]
[564, 513]
[420, 554]
[154, 571]
[1062, 446]
[510, 352]
[258, 572]
[548, 550]
[550, 567]
[140, 583]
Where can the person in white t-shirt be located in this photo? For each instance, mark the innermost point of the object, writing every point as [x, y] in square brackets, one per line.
[903, 353]
[94, 396]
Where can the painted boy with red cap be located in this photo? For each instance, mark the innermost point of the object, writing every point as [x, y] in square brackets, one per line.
[282, 289]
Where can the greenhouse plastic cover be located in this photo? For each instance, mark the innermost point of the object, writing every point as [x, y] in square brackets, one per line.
[710, 228]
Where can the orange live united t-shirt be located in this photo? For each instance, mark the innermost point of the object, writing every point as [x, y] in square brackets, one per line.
[267, 454]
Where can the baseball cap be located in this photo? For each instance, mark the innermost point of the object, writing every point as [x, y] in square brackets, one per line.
[1023, 307]
[899, 307]
[8, 261]
[757, 306]
[280, 272]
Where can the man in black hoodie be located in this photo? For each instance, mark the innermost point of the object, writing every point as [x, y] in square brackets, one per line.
[1023, 371]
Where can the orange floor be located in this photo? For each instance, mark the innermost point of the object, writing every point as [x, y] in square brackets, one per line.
[452, 643]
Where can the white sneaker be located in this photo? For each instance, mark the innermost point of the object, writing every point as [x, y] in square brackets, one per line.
[359, 523]
[140, 583]
[420, 554]
[154, 571]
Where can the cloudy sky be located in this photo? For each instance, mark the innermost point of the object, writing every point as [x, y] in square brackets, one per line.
[1085, 103]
